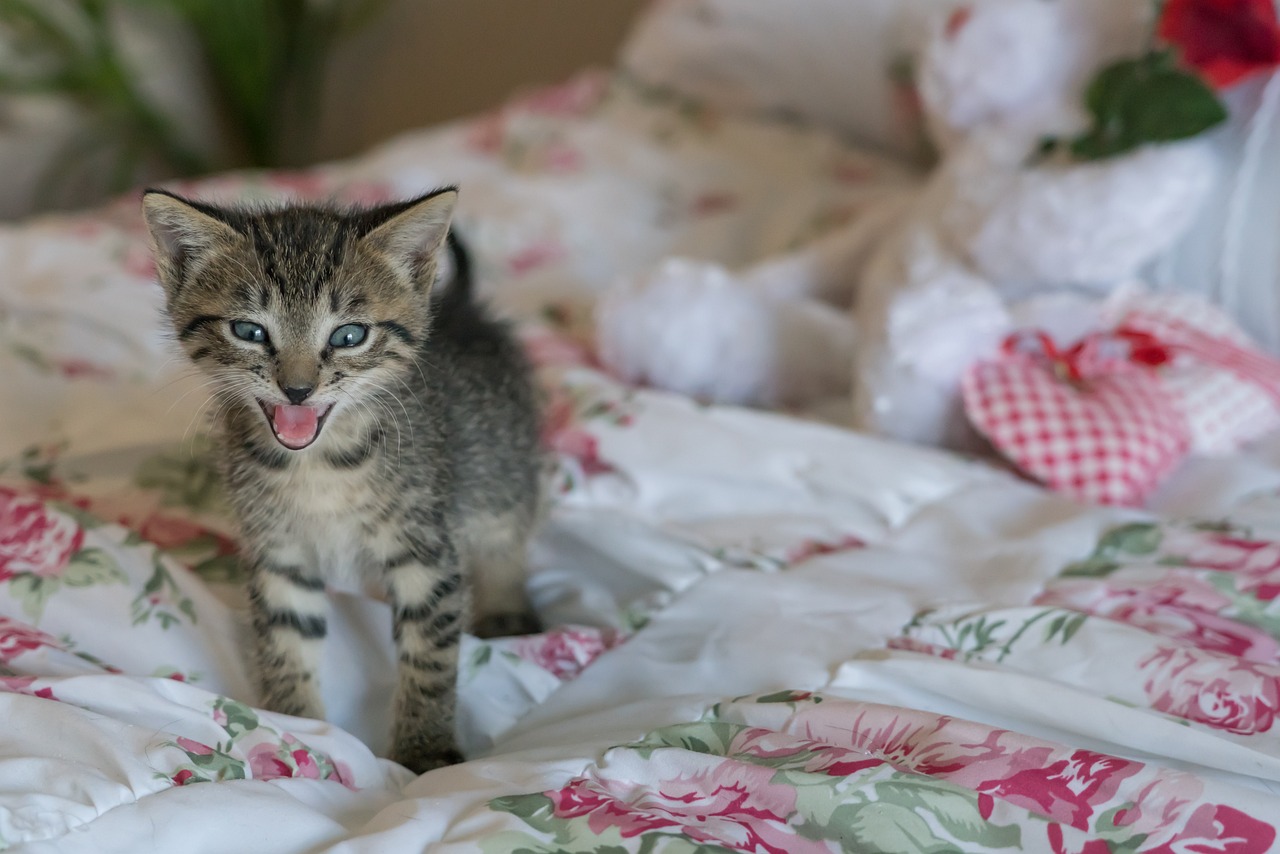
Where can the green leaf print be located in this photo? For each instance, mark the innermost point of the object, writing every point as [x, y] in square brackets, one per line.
[33, 591]
[1065, 626]
[886, 828]
[1133, 539]
[185, 477]
[955, 810]
[160, 597]
[240, 719]
[535, 810]
[91, 566]
[788, 697]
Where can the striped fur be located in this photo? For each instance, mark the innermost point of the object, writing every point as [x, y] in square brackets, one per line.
[424, 471]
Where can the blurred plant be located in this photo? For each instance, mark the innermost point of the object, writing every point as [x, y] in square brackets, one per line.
[263, 60]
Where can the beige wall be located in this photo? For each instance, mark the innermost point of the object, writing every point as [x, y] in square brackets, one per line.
[426, 61]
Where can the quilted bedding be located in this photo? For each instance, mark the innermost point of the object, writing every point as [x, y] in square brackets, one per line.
[766, 634]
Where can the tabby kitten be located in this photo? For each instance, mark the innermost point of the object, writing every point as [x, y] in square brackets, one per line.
[368, 427]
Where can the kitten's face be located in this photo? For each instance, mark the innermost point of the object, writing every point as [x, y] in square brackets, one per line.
[305, 314]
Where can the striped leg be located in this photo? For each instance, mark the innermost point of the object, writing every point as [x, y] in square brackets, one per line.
[288, 609]
[430, 603]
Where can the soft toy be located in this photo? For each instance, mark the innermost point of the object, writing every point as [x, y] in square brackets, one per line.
[1005, 216]
[1071, 152]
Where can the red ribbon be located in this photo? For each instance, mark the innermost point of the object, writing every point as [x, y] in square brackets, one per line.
[1097, 354]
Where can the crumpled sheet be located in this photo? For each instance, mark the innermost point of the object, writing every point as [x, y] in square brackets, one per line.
[741, 651]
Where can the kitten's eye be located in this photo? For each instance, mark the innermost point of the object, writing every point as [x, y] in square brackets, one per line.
[247, 331]
[350, 335]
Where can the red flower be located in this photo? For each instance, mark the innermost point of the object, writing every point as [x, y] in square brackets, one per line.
[1215, 827]
[1217, 690]
[181, 778]
[195, 748]
[33, 539]
[1225, 40]
[1066, 790]
[17, 638]
[565, 652]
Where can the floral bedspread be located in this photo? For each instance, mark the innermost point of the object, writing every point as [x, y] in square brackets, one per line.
[767, 635]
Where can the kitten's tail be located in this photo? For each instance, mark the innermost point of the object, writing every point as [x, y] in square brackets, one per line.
[459, 292]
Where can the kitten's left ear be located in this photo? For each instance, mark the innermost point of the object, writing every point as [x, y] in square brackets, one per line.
[412, 237]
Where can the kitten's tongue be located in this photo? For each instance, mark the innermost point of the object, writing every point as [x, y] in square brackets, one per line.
[296, 425]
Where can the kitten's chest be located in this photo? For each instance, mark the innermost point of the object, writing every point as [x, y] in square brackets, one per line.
[329, 515]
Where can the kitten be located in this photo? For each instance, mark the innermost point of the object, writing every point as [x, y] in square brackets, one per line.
[367, 427]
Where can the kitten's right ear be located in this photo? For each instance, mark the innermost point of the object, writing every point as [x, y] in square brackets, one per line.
[181, 232]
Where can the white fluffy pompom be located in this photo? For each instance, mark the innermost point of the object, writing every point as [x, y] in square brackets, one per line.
[691, 327]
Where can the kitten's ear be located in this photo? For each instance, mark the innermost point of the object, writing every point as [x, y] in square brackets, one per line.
[411, 237]
[181, 232]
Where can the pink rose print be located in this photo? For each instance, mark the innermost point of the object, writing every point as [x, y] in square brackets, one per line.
[820, 758]
[266, 764]
[181, 778]
[17, 638]
[815, 548]
[711, 203]
[574, 97]
[565, 652]
[549, 350]
[1220, 828]
[562, 434]
[1178, 605]
[1066, 790]
[306, 765]
[1255, 558]
[22, 685]
[195, 748]
[171, 532]
[729, 803]
[534, 256]
[910, 644]
[82, 369]
[1217, 690]
[33, 538]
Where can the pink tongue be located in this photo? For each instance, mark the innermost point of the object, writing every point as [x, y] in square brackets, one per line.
[296, 425]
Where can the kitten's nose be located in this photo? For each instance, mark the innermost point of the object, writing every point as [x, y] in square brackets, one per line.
[297, 395]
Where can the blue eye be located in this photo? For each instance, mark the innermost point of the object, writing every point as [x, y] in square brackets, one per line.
[247, 331]
[350, 335]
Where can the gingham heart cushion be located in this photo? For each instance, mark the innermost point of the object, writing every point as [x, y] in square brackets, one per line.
[1093, 425]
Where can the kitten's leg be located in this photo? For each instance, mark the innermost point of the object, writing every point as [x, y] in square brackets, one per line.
[429, 601]
[288, 608]
[496, 556]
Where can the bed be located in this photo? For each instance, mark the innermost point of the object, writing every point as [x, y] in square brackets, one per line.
[764, 632]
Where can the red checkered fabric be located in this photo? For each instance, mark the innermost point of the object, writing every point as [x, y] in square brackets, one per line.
[1107, 439]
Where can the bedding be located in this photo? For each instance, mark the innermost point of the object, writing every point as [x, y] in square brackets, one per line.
[764, 633]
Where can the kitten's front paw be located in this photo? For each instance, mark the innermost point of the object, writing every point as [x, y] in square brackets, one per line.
[507, 624]
[421, 758]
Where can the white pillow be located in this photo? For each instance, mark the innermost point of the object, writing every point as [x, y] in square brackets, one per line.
[841, 64]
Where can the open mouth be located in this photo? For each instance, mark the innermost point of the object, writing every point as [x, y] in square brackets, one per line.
[295, 427]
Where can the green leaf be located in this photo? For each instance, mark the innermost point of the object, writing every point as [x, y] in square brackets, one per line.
[1144, 100]
[535, 810]
[886, 828]
[788, 696]
[185, 606]
[34, 592]
[224, 569]
[1090, 568]
[240, 718]
[91, 566]
[955, 810]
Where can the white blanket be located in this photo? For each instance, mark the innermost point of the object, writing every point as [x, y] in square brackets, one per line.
[695, 555]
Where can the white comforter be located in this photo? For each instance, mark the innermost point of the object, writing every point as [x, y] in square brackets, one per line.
[695, 555]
